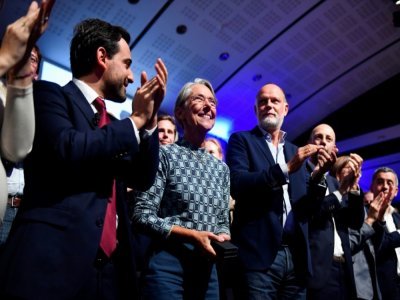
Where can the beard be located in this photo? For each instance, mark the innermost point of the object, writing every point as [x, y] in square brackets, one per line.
[118, 94]
[115, 90]
[269, 123]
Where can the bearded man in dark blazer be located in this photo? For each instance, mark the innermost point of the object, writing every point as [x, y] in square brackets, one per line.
[53, 250]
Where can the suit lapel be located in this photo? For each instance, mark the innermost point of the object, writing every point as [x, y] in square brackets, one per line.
[332, 183]
[79, 100]
[289, 151]
[262, 145]
[396, 219]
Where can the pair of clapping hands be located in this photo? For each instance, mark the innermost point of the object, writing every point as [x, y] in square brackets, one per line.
[346, 168]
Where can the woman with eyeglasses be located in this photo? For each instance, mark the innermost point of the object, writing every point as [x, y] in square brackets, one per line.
[187, 206]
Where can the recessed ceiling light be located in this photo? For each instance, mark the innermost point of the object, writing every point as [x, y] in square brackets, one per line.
[257, 77]
[181, 29]
[224, 56]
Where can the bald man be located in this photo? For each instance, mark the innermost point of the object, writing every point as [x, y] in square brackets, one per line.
[341, 209]
[269, 183]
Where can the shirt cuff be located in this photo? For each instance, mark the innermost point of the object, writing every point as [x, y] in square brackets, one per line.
[285, 172]
[356, 192]
[148, 132]
[136, 131]
[338, 195]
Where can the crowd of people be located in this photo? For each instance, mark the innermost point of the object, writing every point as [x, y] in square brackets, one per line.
[94, 207]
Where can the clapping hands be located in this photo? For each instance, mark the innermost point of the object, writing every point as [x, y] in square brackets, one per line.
[149, 97]
[350, 174]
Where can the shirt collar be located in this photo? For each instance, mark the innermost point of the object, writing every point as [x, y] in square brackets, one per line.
[87, 91]
[267, 136]
[390, 210]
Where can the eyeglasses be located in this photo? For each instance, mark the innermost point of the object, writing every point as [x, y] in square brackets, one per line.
[34, 59]
[202, 99]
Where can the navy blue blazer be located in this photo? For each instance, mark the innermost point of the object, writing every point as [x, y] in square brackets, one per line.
[68, 175]
[349, 213]
[256, 185]
[386, 261]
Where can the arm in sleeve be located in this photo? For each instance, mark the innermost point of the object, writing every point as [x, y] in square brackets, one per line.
[18, 127]
[147, 204]
[223, 217]
[358, 238]
[245, 175]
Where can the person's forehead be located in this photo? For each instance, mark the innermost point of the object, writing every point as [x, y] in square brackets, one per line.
[385, 176]
[124, 49]
[324, 130]
[211, 146]
[200, 89]
[270, 91]
[210, 143]
[165, 123]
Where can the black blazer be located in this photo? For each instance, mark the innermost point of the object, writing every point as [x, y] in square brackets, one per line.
[256, 185]
[349, 213]
[68, 175]
[386, 262]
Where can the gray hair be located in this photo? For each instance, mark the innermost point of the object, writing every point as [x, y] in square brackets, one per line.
[186, 91]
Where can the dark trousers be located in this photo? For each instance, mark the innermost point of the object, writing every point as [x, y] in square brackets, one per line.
[107, 279]
[278, 282]
[102, 282]
[337, 287]
[177, 272]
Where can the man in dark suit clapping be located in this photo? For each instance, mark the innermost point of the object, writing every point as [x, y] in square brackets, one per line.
[341, 208]
[385, 184]
[53, 250]
[269, 183]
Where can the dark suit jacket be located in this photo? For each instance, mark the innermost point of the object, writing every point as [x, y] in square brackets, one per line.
[68, 175]
[256, 185]
[386, 262]
[349, 213]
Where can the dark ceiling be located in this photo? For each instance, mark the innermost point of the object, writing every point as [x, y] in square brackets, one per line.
[337, 60]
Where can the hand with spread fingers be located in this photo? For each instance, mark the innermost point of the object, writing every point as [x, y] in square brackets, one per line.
[20, 37]
[149, 96]
[377, 208]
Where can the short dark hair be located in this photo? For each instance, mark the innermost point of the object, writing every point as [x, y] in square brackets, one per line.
[385, 170]
[89, 35]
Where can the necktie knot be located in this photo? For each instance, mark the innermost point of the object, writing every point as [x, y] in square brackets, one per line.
[100, 105]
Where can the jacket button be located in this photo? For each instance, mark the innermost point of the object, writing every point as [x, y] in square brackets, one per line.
[99, 222]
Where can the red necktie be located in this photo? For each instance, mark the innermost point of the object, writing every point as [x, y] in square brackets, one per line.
[108, 241]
